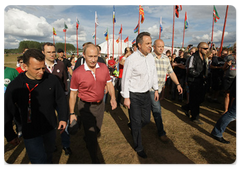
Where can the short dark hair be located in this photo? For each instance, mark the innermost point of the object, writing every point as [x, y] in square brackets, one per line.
[34, 53]
[60, 50]
[125, 51]
[139, 38]
[19, 58]
[48, 44]
[99, 47]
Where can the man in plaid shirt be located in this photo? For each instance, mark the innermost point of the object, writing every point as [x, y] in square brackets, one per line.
[163, 67]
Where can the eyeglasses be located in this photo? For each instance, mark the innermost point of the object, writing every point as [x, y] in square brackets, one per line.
[205, 48]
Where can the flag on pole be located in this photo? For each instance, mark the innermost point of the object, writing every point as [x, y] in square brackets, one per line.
[54, 32]
[65, 27]
[186, 21]
[120, 32]
[215, 14]
[133, 41]
[118, 40]
[161, 24]
[77, 23]
[178, 8]
[126, 40]
[136, 29]
[93, 35]
[141, 12]
[106, 34]
[114, 19]
[96, 18]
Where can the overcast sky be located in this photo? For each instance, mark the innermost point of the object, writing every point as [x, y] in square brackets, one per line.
[36, 23]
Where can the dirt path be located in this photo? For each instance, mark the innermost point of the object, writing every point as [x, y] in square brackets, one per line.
[190, 143]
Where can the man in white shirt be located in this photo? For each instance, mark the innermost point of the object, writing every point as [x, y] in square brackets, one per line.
[139, 76]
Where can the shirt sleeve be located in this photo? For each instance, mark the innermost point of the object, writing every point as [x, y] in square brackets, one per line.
[155, 77]
[74, 81]
[127, 70]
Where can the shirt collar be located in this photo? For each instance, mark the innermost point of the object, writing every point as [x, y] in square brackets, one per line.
[141, 54]
[162, 56]
[55, 62]
[87, 68]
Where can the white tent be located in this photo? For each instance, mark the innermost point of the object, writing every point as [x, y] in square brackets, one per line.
[117, 51]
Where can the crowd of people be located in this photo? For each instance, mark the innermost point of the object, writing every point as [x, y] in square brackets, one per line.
[46, 82]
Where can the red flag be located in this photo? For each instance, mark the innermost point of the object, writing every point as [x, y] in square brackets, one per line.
[120, 32]
[177, 9]
[141, 12]
[117, 40]
[126, 40]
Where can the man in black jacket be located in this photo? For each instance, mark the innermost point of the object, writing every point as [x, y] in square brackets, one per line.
[196, 75]
[31, 99]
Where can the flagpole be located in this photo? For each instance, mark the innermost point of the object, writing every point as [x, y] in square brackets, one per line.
[173, 28]
[212, 33]
[77, 39]
[159, 32]
[53, 40]
[65, 43]
[139, 20]
[95, 33]
[184, 30]
[107, 48]
[220, 51]
[121, 40]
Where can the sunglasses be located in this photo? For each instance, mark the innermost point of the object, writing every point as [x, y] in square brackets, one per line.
[205, 48]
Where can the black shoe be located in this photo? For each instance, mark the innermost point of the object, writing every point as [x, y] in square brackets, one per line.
[68, 151]
[186, 110]
[142, 154]
[220, 139]
[197, 121]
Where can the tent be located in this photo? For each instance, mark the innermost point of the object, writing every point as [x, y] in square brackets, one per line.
[117, 51]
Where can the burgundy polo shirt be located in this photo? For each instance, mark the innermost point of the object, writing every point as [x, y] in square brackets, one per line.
[89, 85]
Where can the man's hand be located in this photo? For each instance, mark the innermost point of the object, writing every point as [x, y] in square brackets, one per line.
[62, 125]
[156, 95]
[113, 103]
[127, 102]
[15, 141]
[179, 88]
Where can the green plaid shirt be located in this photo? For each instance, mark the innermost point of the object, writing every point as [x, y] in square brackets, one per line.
[163, 67]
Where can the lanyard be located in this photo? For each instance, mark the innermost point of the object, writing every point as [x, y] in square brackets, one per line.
[29, 102]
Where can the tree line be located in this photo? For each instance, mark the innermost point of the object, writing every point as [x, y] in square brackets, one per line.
[38, 45]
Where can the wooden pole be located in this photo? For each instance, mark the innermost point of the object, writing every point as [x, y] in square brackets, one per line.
[220, 51]
[173, 28]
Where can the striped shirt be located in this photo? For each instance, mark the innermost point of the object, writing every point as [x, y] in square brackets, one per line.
[163, 67]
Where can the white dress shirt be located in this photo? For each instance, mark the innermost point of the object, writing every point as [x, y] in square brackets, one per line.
[139, 74]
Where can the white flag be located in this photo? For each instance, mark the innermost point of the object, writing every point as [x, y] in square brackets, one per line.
[96, 19]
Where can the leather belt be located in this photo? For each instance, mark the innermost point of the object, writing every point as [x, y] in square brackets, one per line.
[97, 102]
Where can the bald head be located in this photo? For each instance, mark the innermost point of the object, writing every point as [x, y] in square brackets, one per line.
[158, 47]
[89, 46]
[202, 45]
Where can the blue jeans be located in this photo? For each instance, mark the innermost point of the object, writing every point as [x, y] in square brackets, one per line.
[223, 122]
[157, 114]
[40, 149]
[140, 111]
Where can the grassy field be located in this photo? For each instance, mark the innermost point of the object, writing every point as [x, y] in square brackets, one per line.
[189, 143]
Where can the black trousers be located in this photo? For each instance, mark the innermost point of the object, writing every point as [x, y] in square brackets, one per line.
[92, 117]
[140, 109]
[196, 97]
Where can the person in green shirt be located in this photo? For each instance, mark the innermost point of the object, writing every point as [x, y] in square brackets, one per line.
[9, 75]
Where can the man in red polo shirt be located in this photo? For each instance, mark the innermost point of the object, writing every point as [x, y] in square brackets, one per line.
[88, 83]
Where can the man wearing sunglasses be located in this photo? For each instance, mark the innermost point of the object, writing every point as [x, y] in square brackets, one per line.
[196, 75]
